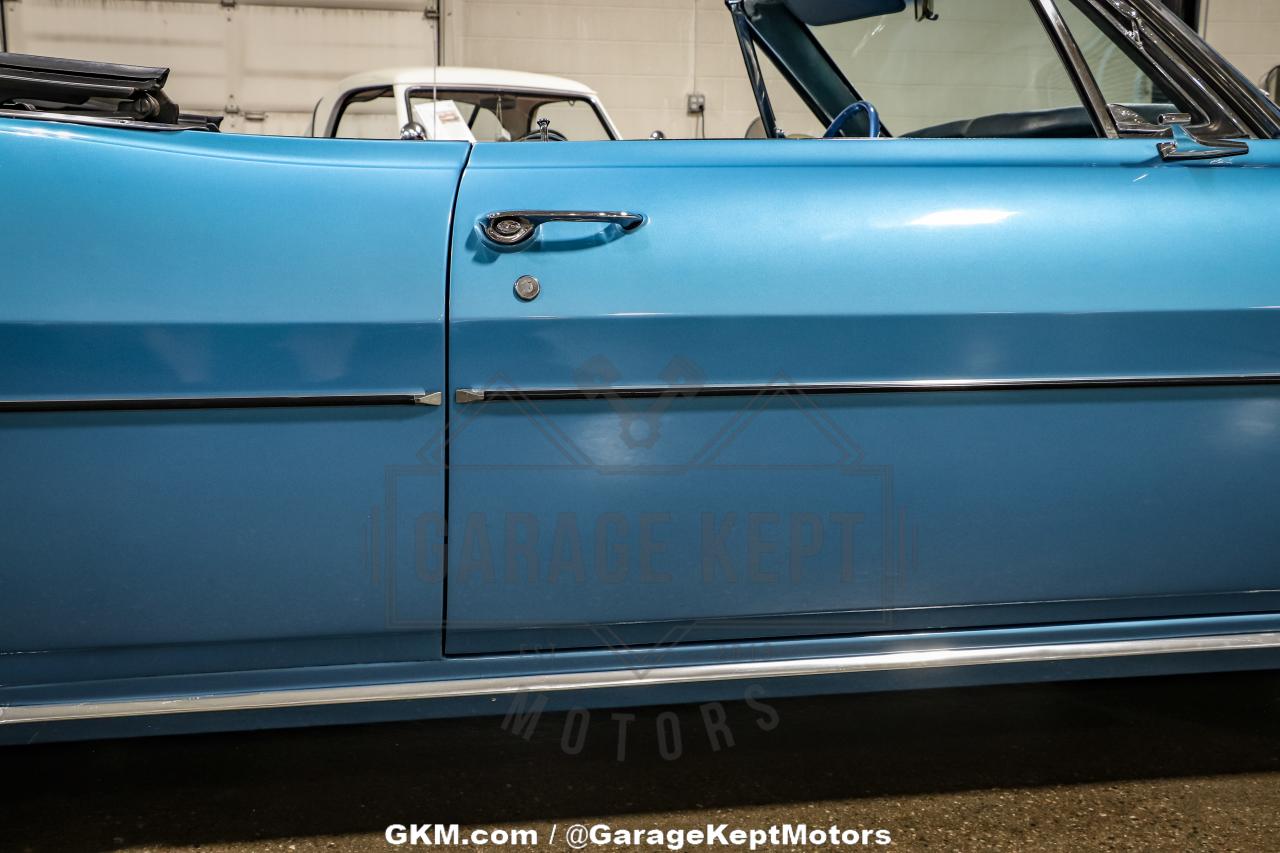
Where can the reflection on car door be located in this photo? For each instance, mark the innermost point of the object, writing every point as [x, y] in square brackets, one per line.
[916, 384]
[204, 391]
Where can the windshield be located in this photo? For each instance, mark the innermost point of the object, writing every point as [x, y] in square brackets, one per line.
[986, 68]
[469, 115]
[503, 116]
[976, 59]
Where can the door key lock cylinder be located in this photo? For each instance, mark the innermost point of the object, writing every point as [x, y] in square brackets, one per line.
[527, 288]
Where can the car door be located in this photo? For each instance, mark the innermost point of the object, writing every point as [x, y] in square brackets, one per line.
[837, 386]
[220, 358]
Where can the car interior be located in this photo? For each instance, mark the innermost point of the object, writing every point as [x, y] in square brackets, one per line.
[955, 69]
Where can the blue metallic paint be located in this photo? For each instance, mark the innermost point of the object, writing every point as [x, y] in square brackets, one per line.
[910, 259]
[152, 554]
[190, 264]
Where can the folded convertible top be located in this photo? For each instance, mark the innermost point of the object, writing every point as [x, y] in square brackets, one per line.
[95, 89]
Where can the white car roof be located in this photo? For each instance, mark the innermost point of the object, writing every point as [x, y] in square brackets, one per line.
[459, 76]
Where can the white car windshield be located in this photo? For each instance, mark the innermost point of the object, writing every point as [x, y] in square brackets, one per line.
[468, 114]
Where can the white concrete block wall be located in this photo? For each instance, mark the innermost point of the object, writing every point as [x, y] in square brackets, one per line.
[1247, 32]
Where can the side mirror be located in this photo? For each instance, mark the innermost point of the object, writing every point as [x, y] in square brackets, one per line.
[413, 131]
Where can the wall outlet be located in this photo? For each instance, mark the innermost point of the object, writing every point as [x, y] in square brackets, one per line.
[696, 103]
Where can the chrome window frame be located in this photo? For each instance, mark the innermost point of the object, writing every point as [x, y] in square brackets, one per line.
[348, 98]
[1210, 69]
[1172, 71]
[1078, 67]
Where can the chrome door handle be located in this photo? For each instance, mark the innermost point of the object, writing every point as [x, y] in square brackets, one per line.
[512, 227]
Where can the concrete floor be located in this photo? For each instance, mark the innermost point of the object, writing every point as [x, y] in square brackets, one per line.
[1181, 764]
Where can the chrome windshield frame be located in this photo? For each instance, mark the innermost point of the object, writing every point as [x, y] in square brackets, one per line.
[1081, 74]
[1210, 70]
[747, 43]
[1162, 64]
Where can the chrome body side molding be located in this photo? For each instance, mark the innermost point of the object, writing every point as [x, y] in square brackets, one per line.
[891, 386]
[618, 678]
[263, 401]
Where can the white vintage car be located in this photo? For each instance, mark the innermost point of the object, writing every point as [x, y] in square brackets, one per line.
[470, 104]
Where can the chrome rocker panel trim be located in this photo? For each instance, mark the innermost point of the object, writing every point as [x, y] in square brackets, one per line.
[617, 678]
[476, 395]
[264, 401]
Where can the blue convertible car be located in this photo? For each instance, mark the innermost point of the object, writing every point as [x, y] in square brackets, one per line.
[968, 371]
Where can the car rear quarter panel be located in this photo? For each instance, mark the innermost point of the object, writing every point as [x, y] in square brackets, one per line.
[140, 265]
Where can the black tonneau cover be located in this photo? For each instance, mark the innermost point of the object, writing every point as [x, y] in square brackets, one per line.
[80, 87]
[75, 81]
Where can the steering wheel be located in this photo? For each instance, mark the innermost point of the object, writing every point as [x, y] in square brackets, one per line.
[552, 136]
[873, 119]
[544, 133]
